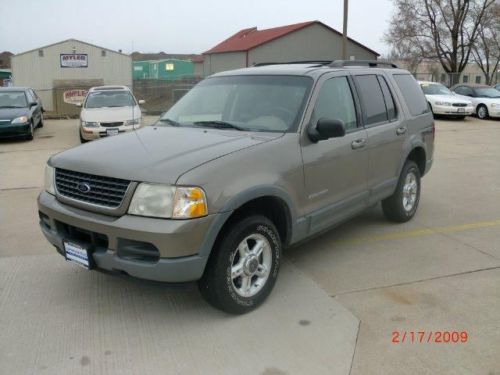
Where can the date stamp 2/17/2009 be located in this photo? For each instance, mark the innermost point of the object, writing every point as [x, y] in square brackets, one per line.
[429, 337]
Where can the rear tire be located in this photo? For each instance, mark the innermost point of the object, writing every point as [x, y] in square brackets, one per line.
[40, 124]
[243, 267]
[402, 205]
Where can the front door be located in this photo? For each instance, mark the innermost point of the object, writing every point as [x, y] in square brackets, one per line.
[335, 169]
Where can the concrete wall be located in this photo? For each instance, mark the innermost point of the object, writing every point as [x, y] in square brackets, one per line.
[30, 69]
[219, 62]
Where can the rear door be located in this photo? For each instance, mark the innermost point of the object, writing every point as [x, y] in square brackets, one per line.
[335, 169]
[386, 134]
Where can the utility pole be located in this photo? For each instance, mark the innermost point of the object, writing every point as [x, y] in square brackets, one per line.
[344, 34]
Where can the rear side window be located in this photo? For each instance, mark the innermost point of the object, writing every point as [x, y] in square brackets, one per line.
[389, 100]
[412, 93]
[372, 98]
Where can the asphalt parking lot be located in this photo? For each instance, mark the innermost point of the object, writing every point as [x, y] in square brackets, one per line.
[336, 305]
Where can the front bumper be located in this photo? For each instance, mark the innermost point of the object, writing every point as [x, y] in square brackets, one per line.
[90, 134]
[147, 248]
[11, 130]
[452, 111]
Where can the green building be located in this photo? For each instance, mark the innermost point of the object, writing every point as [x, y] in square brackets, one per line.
[5, 76]
[168, 69]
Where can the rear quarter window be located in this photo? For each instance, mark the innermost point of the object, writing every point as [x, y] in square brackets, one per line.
[412, 93]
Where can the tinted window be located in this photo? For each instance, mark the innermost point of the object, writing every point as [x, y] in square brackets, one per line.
[372, 98]
[389, 100]
[412, 93]
[335, 102]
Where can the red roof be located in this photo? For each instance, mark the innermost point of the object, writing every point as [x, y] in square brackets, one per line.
[248, 39]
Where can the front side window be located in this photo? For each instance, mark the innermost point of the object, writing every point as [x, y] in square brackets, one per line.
[412, 93]
[487, 92]
[335, 102]
[253, 103]
[13, 99]
[372, 98]
[106, 99]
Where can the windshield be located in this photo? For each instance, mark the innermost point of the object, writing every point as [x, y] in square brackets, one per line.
[255, 103]
[13, 99]
[435, 89]
[487, 92]
[102, 99]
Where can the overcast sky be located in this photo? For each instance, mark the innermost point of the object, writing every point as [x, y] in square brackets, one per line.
[178, 26]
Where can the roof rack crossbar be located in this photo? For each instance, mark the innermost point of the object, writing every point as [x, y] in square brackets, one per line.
[315, 62]
[369, 63]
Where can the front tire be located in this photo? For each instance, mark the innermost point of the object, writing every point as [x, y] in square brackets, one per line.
[402, 205]
[243, 267]
[31, 133]
[40, 123]
[482, 112]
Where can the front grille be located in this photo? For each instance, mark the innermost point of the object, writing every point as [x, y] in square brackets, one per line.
[111, 124]
[102, 191]
[459, 105]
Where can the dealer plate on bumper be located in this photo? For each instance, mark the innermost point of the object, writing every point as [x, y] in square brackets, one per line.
[77, 254]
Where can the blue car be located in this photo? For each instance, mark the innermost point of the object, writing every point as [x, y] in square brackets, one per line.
[21, 112]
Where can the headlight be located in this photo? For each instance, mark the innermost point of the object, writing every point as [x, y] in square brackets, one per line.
[164, 201]
[49, 180]
[20, 120]
[135, 121]
[90, 124]
[446, 104]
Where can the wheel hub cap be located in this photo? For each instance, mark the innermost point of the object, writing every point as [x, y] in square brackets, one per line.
[410, 190]
[250, 265]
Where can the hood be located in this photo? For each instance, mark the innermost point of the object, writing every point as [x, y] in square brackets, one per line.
[448, 98]
[12, 113]
[110, 114]
[156, 154]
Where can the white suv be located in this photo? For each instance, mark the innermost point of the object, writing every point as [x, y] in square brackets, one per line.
[109, 110]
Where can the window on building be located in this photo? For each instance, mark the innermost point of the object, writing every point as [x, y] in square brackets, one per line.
[465, 78]
[413, 94]
[169, 66]
[103, 53]
[335, 102]
[478, 79]
[40, 52]
[372, 98]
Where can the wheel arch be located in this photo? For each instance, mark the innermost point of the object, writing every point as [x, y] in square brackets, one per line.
[418, 155]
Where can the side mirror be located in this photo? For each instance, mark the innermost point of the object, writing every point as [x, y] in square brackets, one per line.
[33, 104]
[142, 101]
[326, 129]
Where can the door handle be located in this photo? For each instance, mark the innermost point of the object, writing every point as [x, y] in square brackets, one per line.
[401, 130]
[358, 143]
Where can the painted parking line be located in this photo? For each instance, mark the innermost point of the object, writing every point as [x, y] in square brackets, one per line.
[421, 232]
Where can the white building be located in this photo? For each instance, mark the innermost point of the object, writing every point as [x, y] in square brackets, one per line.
[61, 72]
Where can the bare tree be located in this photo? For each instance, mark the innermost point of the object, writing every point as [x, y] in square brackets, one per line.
[445, 30]
[486, 50]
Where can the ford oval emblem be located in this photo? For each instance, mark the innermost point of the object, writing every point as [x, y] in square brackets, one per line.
[84, 187]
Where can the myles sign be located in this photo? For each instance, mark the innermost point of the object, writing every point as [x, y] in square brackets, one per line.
[74, 60]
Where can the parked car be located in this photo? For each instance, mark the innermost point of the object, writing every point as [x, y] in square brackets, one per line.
[444, 102]
[21, 112]
[107, 111]
[247, 163]
[485, 99]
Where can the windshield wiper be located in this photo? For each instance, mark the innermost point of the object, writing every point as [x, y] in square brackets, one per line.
[218, 125]
[170, 121]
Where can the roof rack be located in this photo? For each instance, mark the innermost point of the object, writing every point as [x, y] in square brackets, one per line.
[315, 62]
[369, 63]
